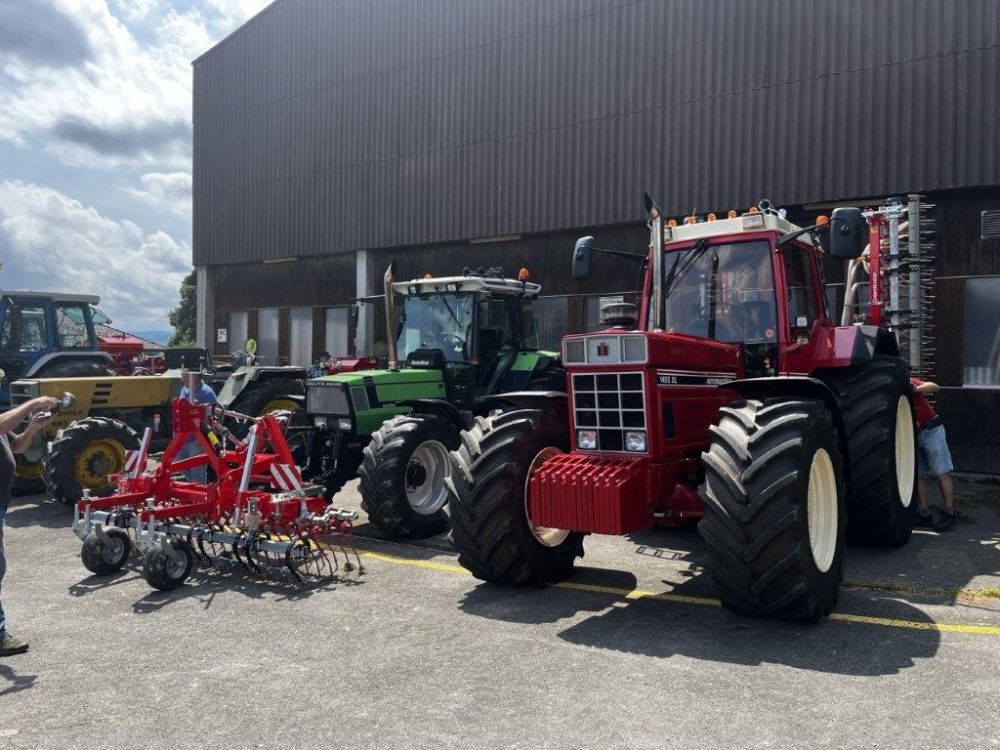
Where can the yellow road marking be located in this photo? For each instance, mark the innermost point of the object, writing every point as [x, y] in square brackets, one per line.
[625, 593]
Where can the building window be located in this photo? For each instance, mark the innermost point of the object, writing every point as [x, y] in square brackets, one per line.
[302, 336]
[335, 341]
[237, 334]
[267, 336]
[551, 321]
[982, 331]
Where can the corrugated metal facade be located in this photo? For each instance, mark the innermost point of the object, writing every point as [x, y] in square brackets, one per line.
[331, 125]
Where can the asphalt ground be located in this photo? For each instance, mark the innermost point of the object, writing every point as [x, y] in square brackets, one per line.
[632, 652]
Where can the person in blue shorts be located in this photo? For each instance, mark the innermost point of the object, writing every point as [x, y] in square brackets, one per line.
[934, 459]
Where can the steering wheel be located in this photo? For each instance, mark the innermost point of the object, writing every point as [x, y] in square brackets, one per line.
[445, 337]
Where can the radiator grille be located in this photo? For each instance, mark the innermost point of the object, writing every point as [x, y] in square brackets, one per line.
[327, 399]
[612, 404]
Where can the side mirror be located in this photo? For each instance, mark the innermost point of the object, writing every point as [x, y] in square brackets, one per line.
[581, 257]
[352, 316]
[848, 232]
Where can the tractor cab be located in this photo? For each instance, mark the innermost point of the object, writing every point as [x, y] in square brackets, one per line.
[471, 328]
[44, 334]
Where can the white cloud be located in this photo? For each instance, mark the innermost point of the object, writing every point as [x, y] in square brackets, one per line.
[50, 241]
[169, 191]
[115, 101]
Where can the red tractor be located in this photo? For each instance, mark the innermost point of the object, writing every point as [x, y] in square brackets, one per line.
[731, 396]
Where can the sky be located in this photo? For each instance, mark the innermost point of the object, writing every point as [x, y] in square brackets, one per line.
[95, 146]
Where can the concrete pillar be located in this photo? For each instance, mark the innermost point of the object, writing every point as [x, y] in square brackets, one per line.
[365, 334]
[205, 300]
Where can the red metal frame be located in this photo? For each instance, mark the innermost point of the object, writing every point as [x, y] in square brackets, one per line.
[161, 495]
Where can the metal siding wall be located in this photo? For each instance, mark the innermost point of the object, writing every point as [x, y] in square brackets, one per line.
[330, 125]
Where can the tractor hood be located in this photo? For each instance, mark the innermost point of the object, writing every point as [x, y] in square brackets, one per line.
[616, 347]
[369, 398]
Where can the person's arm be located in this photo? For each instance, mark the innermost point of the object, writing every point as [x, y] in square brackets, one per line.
[22, 442]
[13, 417]
[928, 388]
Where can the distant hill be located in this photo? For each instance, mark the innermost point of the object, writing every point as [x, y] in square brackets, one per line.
[160, 337]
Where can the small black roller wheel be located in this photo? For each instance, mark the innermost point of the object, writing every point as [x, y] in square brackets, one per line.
[105, 554]
[164, 571]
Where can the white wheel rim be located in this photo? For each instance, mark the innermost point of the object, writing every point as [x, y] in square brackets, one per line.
[906, 458]
[544, 535]
[822, 510]
[424, 478]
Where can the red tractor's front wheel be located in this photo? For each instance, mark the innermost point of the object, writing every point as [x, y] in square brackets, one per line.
[774, 509]
[490, 525]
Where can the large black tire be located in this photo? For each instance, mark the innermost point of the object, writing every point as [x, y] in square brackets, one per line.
[84, 454]
[763, 461]
[403, 472]
[75, 368]
[104, 556]
[163, 572]
[489, 521]
[264, 396]
[881, 433]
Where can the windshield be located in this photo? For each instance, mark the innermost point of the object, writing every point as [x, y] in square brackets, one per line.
[437, 321]
[722, 292]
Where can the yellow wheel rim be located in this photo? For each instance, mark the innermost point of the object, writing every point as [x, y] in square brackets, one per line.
[97, 460]
[28, 470]
[279, 404]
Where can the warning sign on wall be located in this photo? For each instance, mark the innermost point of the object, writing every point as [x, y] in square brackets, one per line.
[222, 335]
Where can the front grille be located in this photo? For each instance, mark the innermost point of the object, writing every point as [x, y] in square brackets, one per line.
[327, 399]
[612, 404]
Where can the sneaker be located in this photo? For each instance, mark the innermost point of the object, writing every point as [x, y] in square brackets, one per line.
[923, 522]
[10, 645]
[945, 521]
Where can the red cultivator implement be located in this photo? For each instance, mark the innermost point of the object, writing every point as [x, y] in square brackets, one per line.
[255, 515]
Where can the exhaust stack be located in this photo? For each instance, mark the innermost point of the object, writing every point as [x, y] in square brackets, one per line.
[656, 243]
[390, 315]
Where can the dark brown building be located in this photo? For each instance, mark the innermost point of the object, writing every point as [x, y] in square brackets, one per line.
[332, 136]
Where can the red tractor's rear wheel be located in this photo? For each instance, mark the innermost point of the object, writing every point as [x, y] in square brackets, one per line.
[774, 509]
[881, 450]
[490, 527]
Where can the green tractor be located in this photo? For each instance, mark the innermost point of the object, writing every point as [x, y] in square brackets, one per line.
[455, 343]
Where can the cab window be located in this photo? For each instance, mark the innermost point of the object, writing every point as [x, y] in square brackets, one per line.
[722, 292]
[800, 278]
[24, 329]
[71, 327]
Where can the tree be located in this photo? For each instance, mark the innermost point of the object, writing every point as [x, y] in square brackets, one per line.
[184, 317]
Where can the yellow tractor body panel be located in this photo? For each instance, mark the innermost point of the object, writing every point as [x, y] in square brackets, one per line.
[97, 396]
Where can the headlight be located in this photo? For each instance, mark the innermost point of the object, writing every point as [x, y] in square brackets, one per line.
[586, 440]
[344, 425]
[320, 422]
[635, 441]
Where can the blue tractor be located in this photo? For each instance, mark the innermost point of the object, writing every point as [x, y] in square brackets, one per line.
[49, 335]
